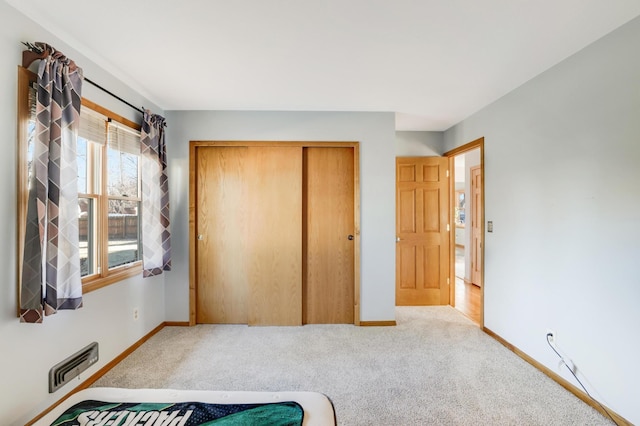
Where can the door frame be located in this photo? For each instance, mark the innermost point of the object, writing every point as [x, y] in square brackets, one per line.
[193, 152]
[475, 144]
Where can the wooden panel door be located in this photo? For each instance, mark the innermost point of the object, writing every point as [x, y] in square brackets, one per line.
[422, 248]
[274, 243]
[222, 286]
[476, 226]
[328, 223]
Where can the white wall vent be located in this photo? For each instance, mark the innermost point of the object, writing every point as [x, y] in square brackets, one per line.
[71, 367]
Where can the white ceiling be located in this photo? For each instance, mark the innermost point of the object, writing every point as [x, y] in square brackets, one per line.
[433, 62]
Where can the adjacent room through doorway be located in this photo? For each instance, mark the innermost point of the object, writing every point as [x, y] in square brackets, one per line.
[467, 216]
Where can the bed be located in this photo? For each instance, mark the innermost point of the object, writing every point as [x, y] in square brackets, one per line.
[166, 407]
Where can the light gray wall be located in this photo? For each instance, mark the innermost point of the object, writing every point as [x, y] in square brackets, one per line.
[30, 350]
[419, 144]
[566, 243]
[376, 134]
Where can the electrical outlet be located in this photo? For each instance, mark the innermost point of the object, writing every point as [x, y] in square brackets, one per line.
[551, 336]
[135, 313]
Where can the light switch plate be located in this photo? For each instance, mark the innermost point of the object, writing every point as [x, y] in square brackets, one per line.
[490, 226]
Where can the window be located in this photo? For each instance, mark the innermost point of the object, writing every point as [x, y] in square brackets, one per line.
[108, 194]
[109, 203]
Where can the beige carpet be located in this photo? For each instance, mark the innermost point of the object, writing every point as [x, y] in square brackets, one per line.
[434, 368]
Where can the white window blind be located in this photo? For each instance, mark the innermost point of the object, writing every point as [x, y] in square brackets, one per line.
[32, 102]
[93, 126]
[123, 138]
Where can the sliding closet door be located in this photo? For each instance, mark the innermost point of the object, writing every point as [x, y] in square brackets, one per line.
[274, 234]
[249, 243]
[328, 287]
[274, 243]
[222, 213]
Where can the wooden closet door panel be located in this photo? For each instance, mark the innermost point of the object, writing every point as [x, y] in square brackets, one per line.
[328, 253]
[274, 238]
[222, 286]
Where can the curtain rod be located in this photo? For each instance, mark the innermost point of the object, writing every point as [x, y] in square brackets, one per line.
[141, 110]
[35, 53]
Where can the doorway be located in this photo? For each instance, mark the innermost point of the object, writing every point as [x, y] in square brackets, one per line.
[467, 211]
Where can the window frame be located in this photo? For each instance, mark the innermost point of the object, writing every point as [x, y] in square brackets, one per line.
[25, 79]
[104, 276]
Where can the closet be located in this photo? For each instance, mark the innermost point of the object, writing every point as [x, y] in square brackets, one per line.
[273, 233]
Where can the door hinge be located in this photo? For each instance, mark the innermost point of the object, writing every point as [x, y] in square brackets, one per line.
[447, 173]
[448, 281]
[448, 228]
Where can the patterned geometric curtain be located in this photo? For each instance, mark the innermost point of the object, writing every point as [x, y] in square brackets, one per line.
[156, 234]
[51, 268]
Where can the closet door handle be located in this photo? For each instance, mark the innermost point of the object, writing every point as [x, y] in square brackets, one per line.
[350, 237]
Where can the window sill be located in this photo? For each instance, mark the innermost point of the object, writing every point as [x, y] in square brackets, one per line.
[94, 283]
